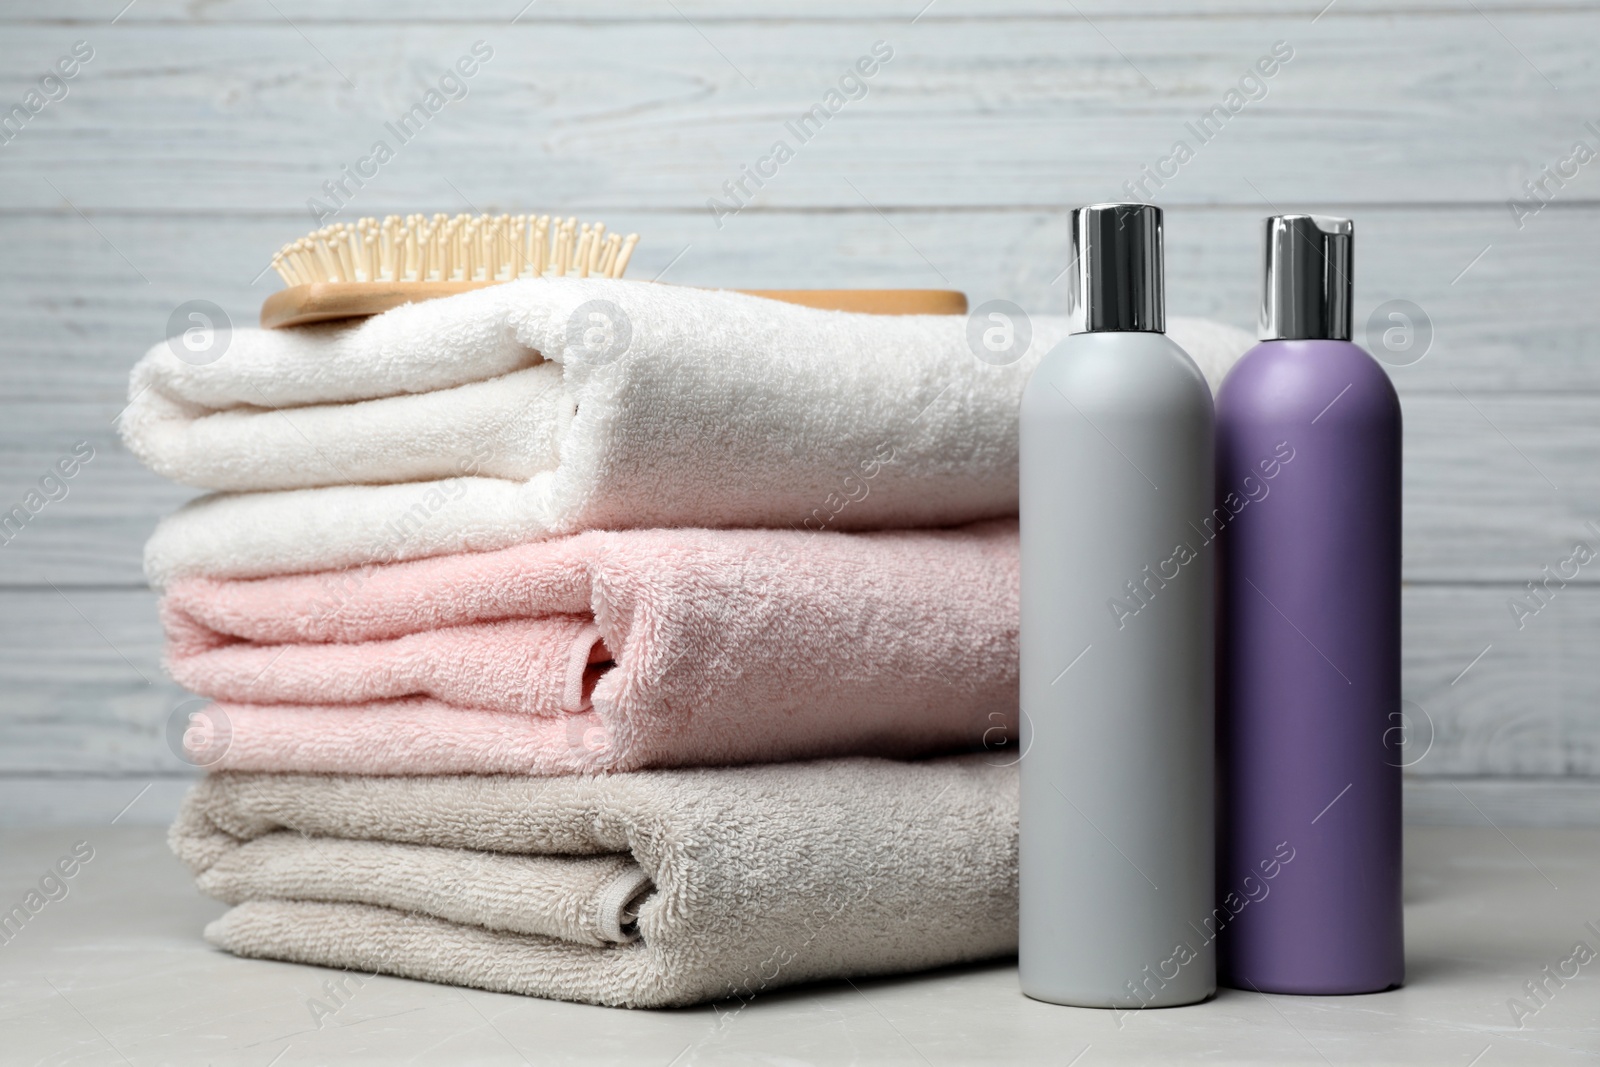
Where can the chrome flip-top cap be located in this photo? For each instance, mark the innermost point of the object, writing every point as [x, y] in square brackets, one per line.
[1306, 271]
[1116, 269]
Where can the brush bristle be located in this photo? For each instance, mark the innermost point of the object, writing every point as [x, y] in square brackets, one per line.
[462, 248]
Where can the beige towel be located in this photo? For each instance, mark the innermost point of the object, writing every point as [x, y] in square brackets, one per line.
[651, 889]
[592, 900]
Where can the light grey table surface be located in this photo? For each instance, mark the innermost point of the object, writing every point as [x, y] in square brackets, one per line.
[116, 972]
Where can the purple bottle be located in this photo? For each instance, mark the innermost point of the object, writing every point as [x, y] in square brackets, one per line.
[1308, 529]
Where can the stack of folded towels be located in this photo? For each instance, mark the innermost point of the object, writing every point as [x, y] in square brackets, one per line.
[644, 673]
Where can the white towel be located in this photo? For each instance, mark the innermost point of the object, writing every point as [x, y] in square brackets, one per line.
[511, 413]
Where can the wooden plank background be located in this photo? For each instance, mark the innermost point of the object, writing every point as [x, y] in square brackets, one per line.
[186, 149]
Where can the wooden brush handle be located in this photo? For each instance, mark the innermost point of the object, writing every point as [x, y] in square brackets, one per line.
[323, 301]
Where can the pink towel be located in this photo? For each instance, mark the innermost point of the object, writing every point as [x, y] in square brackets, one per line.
[611, 651]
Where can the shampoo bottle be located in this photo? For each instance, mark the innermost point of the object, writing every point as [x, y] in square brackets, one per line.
[1116, 850]
[1308, 477]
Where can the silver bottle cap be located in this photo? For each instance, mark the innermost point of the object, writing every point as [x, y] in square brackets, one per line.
[1306, 271]
[1116, 269]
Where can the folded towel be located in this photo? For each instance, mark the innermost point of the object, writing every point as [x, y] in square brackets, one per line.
[653, 889]
[612, 651]
[590, 900]
[509, 413]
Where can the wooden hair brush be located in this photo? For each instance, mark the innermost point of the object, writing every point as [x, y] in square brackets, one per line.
[352, 270]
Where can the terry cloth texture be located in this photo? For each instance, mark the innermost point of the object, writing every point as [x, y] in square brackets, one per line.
[612, 651]
[513, 413]
[757, 877]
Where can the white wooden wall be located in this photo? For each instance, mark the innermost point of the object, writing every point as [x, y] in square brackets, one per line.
[187, 147]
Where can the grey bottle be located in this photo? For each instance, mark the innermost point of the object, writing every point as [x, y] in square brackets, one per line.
[1117, 665]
